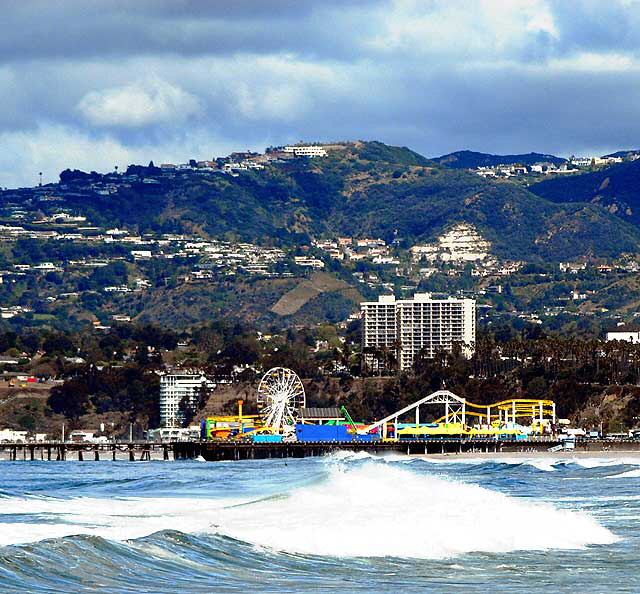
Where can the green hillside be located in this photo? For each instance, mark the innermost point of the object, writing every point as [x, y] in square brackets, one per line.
[519, 224]
[263, 302]
[472, 159]
[209, 237]
[361, 189]
[614, 188]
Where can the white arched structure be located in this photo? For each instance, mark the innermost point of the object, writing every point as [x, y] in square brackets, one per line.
[455, 409]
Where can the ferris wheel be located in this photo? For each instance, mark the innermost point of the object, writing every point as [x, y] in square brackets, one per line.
[280, 395]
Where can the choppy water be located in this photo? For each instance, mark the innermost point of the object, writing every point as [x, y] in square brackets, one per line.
[346, 523]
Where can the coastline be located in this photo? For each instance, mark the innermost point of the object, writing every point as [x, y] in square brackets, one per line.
[561, 455]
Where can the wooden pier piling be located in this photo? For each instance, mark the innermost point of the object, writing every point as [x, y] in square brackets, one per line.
[218, 450]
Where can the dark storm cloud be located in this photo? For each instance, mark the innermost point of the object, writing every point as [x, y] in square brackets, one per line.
[85, 29]
[92, 83]
[510, 111]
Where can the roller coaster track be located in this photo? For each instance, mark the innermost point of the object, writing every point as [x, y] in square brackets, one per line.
[456, 409]
[518, 407]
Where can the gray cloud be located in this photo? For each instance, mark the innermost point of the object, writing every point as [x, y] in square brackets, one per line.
[92, 84]
[89, 29]
[594, 26]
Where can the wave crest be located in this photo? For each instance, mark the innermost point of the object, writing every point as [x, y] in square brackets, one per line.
[377, 510]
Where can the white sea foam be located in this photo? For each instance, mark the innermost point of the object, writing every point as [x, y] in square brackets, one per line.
[547, 464]
[628, 474]
[541, 464]
[600, 462]
[342, 455]
[371, 510]
[376, 510]
[544, 464]
[350, 456]
[587, 462]
[116, 519]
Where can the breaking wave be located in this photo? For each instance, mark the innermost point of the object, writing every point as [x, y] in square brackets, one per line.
[377, 510]
[349, 506]
[345, 523]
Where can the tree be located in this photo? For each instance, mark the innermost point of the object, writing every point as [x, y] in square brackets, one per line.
[243, 351]
[58, 343]
[537, 388]
[113, 273]
[8, 340]
[53, 277]
[71, 399]
[190, 404]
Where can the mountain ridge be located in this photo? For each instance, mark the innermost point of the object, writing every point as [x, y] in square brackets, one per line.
[612, 188]
[247, 244]
[467, 159]
[360, 189]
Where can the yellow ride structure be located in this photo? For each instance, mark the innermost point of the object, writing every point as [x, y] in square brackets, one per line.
[510, 410]
[226, 426]
[456, 430]
[500, 418]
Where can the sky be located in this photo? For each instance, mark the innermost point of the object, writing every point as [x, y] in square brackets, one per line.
[91, 84]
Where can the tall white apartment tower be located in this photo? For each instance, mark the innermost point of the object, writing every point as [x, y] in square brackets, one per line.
[406, 327]
[173, 388]
[379, 328]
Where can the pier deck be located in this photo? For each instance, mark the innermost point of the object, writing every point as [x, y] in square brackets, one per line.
[55, 450]
[241, 450]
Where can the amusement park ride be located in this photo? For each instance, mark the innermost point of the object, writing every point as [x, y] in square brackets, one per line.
[280, 396]
[281, 401]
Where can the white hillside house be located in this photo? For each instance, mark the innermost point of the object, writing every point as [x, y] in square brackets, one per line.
[306, 150]
[460, 244]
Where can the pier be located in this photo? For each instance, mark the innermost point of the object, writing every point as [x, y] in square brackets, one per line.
[83, 451]
[217, 450]
[230, 450]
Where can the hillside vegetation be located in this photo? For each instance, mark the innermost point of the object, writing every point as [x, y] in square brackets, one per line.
[472, 159]
[363, 189]
[614, 188]
[308, 289]
[180, 256]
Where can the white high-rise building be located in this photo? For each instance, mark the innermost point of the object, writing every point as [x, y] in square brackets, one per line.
[173, 388]
[408, 326]
[379, 327]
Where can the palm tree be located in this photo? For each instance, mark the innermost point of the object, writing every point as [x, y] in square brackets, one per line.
[370, 354]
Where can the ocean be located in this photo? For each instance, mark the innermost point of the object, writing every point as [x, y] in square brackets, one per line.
[342, 523]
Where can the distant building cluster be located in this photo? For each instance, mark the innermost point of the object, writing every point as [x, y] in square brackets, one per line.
[517, 170]
[306, 150]
[623, 264]
[459, 246]
[601, 161]
[308, 262]
[216, 256]
[373, 250]
[245, 161]
[626, 336]
[573, 165]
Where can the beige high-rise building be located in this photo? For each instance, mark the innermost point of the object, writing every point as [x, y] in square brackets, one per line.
[406, 327]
